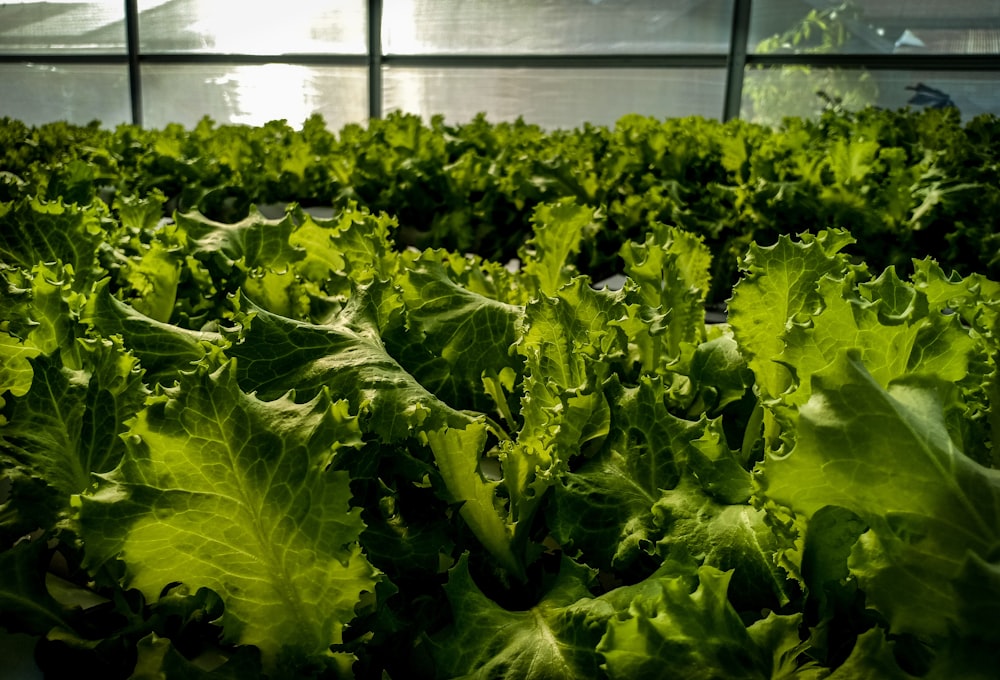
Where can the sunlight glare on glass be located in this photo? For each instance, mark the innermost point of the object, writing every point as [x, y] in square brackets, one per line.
[262, 93]
[242, 28]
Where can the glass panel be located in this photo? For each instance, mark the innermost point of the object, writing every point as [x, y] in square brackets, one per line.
[876, 27]
[79, 94]
[554, 98]
[254, 26]
[769, 94]
[556, 26]
[74, 27]
[253, 95]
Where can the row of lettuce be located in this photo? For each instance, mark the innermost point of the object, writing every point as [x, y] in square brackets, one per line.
[290, 448]
[905, 184]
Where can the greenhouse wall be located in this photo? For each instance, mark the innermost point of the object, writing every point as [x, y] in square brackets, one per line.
[559, 63]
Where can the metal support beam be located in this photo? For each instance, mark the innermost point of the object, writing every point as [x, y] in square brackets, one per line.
[557, 61]
[737, 60]
[134, 75]
[374, 58]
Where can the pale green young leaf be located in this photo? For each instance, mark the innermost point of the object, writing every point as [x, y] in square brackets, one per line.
[154, 276]
[457, 453]
[718, 373]
[559, 229]
[352, 248]
[779, 290]
[140, 214]
[894, 331]
[975, 298]
[569, 342]
[15, 367]
[40, 306]
[672, 272]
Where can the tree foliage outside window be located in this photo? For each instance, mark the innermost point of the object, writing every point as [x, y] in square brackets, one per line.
[773, 93]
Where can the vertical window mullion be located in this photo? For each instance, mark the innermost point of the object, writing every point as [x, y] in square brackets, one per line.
[737, 60]
[132, 44]
[374, 58]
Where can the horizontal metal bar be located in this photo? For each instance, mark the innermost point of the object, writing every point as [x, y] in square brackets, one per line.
[217, 58]
[556, 61]
[191, 58]
[882, 62]
[936, 62]
[49, 58]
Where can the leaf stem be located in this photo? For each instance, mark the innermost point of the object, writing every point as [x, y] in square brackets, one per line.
[752, 433]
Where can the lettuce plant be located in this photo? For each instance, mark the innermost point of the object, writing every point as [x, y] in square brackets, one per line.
[286, 447]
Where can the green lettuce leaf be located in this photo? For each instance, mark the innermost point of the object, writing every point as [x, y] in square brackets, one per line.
[347, 356]
[140, 215]
[221, 490]
[604, 508]
[677, 633]
[255, 254]
[349, 359]
[457, 453]
[555, 639]
[894, 330]
[885, 454]
[25, 603]
[672, 272]
[254, 242]
[66, 427]
[872, 657]
[677, 623]
[976, 301]
[158, 659]
[164, 349]
[780, 637]
[15, 369]
[33, 230]
[777, 292]
[668, 488]
[359, 239]
[559, 229]
[154, 276]
[41, 306]
[571, 343]
[454, 335]
[736, 537]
